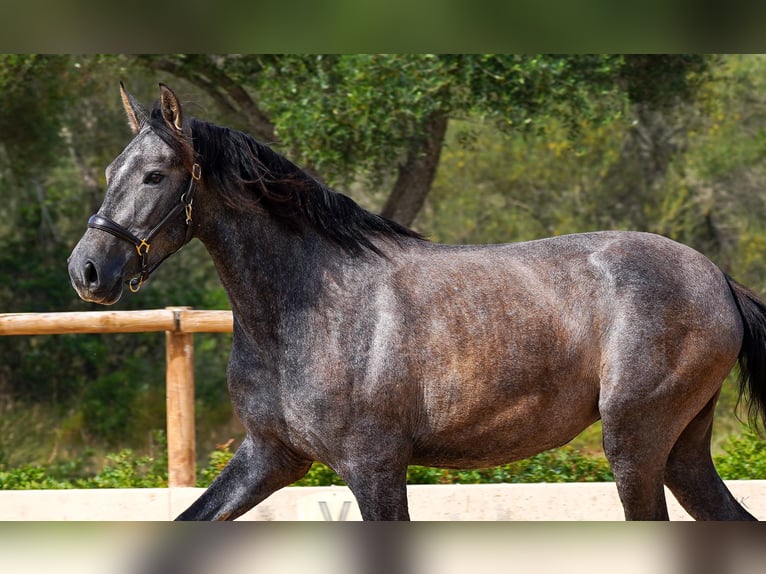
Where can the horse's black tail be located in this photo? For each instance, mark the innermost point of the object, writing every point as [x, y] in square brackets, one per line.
[752, 355]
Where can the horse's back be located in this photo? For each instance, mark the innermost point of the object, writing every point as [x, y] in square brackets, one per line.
[599, 270]
[587, 274]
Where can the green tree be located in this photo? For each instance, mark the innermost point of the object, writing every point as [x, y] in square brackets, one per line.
[384, 117]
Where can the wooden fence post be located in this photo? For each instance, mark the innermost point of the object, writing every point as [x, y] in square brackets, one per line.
[180, 403]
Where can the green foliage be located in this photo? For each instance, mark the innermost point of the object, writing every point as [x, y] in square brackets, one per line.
[357, 113]
[123, 469]
[216, 463]
[560, 465]
[320, 475]
[354, 115]
[744, 457]
[31, 97]
[29, 477]
[128, 400]
[673, 78]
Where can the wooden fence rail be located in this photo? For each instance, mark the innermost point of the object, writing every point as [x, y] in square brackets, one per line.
[179, 324]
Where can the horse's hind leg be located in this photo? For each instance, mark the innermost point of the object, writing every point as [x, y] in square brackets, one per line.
[637, 438]
[691, 475]
[255, 471]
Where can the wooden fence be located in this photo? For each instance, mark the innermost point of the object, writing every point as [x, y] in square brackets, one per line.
[179, 324]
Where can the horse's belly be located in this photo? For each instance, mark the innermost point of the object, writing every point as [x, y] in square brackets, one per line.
[483, 435]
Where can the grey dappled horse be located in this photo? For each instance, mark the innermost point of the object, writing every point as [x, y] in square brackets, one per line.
[360, 344]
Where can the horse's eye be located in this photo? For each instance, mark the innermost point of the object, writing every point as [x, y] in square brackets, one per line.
[154, 177]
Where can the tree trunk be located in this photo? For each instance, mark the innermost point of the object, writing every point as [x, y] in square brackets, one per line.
[645, 157]
[416, 174]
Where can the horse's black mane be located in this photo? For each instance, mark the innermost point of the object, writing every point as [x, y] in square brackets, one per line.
[250, 176]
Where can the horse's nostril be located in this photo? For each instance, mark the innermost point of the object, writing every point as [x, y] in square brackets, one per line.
[91, 275]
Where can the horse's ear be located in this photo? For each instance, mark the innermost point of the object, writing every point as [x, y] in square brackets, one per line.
[135, 112]
[171, 108]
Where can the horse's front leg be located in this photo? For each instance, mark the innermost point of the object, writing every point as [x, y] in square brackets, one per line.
[381, 495]
[378, 481]
[256, 470]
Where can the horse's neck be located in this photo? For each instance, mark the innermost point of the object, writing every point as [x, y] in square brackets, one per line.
[265, 269]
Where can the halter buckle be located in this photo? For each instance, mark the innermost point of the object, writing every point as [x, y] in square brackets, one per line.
[188, 211]
[141, 246]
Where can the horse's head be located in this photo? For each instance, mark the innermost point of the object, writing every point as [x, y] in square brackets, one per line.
[146, 214]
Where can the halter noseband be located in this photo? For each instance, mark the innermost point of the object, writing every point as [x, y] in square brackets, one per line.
[142, 246]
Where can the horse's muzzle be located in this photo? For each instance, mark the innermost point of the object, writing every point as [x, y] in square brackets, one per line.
[95, 281]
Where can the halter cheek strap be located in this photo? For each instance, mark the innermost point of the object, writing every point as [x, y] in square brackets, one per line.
[143, 245]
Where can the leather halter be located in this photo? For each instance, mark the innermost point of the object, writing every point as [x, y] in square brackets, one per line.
[142, 245]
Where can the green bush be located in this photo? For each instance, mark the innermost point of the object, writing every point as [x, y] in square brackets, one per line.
[125, 470]
[744, 457]
[216, 461]
[564, 464]
[30, 478]
[320, 475]
[121, 470]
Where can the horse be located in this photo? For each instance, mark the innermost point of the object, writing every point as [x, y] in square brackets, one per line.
[359, 343]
